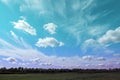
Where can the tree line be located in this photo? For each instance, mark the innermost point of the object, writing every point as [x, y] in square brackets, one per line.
[22, 70]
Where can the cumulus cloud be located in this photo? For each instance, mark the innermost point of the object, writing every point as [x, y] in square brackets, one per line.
[101, 59]
[24, 26]
[35, 60]
[10, 59]
[87, 57]
[25, 56]
[101, 64]
[90, 57]
[61, 43]
[110, 36]
[48, 41]
[46, 64]
[50, 27]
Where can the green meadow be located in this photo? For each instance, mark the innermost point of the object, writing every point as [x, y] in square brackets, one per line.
[62, 76]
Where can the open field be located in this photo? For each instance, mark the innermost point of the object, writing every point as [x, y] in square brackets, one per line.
[61, 76]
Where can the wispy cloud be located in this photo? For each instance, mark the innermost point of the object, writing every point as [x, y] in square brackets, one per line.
[48, 42]
[116, 54]
[14, 35]
[24, 26]
[36, 5]
[43, 7]
[10, 2]
[31, 57]
[19, 40]
[5, 1]
[50, 27]
[90, 44]
[83, 23]
[5, 44]
[34, 58]
[8, 49]
[97, 30]
[75, 14]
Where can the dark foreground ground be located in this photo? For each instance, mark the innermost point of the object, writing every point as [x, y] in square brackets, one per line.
[62, 76]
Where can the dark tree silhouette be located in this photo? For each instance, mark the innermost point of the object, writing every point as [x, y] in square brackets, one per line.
[22, 70]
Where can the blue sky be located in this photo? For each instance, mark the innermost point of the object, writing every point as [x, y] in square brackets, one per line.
[60, 33]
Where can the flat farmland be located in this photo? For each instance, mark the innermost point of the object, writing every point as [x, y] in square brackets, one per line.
[62, 76]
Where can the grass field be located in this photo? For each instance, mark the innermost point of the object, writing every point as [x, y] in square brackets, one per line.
[62, 76]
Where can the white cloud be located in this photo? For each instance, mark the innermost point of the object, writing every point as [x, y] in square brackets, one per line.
[4, 44]
[87, 57]
[87, 4]
[19, 40]
[34, 5]
[101, 59]
[111, 36]
[42, 7]
[117, 55]
[25, 26]
[97, 30]
[101, 64]
[5, 1]
[87, 43]
[10, 50]
[25, 56]
[90, 43]
[23, 18]
[8, 2]
[46, 64]
[11, 60]
[108, 51]
[118, 63]
[50, 27]
[95, 58]
[77, 4]
[35, 60]
[48, 41]
[50, 7]
[61, 43]
[14, 35]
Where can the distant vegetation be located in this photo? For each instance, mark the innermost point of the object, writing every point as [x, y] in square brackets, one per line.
[22, 70]
[58, 74]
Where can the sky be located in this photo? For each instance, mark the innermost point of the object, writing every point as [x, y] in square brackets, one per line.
[60, 34]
